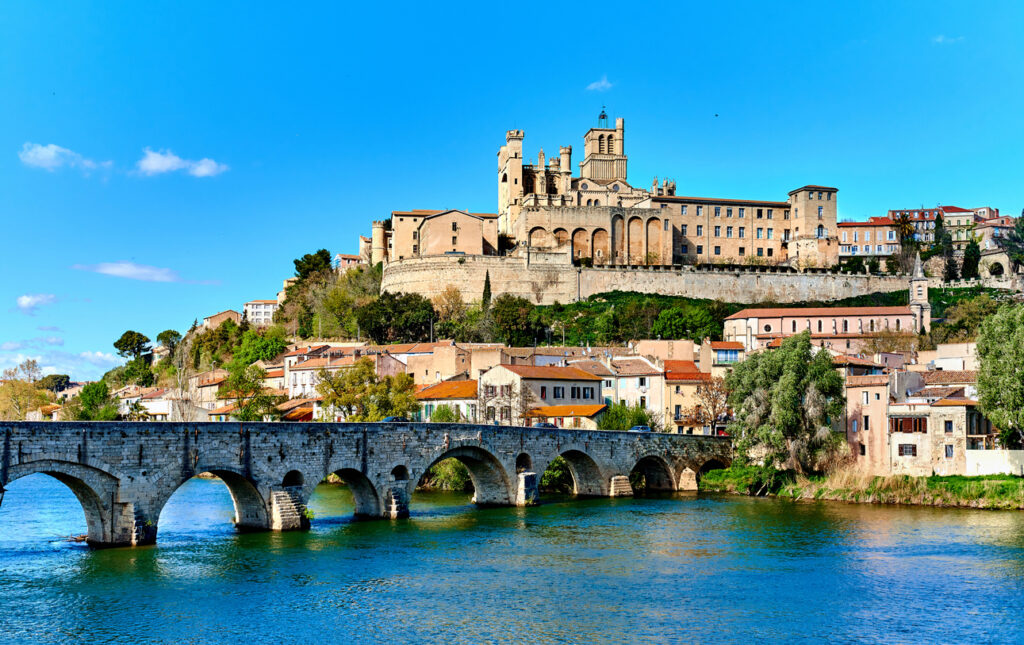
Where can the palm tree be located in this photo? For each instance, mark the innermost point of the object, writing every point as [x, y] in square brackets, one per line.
[137, 412]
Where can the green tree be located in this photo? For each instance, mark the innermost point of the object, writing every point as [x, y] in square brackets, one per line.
[972, 257]
[256, 347]
[784, 401]
[445, 413]
[1000, 385]
[514, 322]
[169, 338]
[54, 382]
[21, 391]
[873, 264]
[132, 343]
[396, 318]
[485, 301]
[950, 272]
[621, 416]
[694, 323]
[137, 372]
[1013, 242]
[964, 319]
[95, 403]
[359, 394]
[310, 263]
[253, 401]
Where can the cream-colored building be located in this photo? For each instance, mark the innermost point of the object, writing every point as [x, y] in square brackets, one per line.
[875, 237]
[260, 313]
[423, 233]
[508, 393]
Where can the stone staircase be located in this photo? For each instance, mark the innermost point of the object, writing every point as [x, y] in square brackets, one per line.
[620, 487]
[287, 510]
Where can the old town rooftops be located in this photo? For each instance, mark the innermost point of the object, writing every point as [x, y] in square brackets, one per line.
[811, 312]
[726, 344]
[448, 390]
[949, 377]
[553, 411]
[867, 380]
[551, 373]
[684, 371]
[633, 367]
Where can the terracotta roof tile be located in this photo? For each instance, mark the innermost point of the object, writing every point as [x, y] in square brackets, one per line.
[566, 410]
[596, 368]
[804, 312]
[867, 380]
[726, 344]
[551, 373]
[943, 377]
[633, 367]
[954, 403]
[448, 390]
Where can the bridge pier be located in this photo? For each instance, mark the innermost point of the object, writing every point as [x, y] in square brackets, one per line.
[620, 487]
[287, 510]
[527, 489]
[396, 503]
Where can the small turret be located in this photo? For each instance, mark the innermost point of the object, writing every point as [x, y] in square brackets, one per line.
[919, 304]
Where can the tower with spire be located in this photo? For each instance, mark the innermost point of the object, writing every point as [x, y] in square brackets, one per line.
[919, 305]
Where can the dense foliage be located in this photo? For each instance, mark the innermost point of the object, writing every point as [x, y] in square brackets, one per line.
[1000, 380]
[396, 318]
[784, 402]
[360, 394]
[620, 416]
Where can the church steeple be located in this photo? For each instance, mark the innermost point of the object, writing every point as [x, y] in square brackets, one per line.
[919, 304]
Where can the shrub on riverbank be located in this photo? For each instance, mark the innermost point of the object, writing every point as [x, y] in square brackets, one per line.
[449, 474]
[848, 485]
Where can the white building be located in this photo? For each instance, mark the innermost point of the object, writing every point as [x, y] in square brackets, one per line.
[260, 313]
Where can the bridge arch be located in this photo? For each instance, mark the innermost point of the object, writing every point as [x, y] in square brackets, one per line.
[711, 464]
[95, 489]
[364, 493]
[588, 480]
[491, 484]
[250, 503]
[652, 473]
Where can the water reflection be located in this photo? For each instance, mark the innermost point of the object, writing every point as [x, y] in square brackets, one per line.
[656, 569]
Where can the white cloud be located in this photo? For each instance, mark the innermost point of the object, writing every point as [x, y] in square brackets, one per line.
[600, 86]
[162, 161]
[51, 157]
[942, 39]
[29, 302]
[80, 366]
[40, 341]
[132, 271]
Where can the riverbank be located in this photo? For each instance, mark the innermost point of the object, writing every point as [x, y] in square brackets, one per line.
[988, 491]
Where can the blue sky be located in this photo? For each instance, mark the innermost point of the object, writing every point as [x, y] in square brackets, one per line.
[161, 163]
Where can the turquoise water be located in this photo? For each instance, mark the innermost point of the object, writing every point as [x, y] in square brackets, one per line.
[652, 570]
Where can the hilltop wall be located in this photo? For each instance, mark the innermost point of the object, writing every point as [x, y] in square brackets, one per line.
[542, 281]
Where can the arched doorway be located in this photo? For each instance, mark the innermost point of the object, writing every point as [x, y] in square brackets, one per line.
[618, 250]
[540, 238]
[636, 240]
[561, 237]
[653, 253]
[996, 269]
[600, 247]
[580, 244]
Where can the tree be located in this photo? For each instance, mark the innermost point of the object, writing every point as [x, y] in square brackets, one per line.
[950, 271]
[169, 338]
[359, 394]
[485, 300]
[514, 322]
[712, 405]
[396, 318]
[873, 264]
[451, 311]
[784, 401]
[1000, 386]
[890, 341]
[253, 402]
[137, 372]
[132, 344]
[19, 391]
[95, 403]
[258, 347]
[972, 257]
[310, 263]
[694, 323]
[854, 265]
[445, 414]
[1013, 242]
[182, 408]
[54, 382]
[964, 319]
[621, 416]
[136, 412]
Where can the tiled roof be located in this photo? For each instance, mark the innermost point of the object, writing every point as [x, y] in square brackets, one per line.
[217, 380]
[596, 368]
[937, 392]
[810, 186]
[551, 411]
[867, 380]
[301, 413]
[294, 403]
[803, 312]
[854, 360]
[155, 393]
[726, 344]
[551, 373]
[955, 209]
[684, 371]
[230, 407]
[275, 373]
[951, 377]
[416, 212]
[954, 403]
[448, 390]
[262, 302]
[325, 363]
[633, 367]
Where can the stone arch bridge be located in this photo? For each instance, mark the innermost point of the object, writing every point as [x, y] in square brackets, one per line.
[124, 472]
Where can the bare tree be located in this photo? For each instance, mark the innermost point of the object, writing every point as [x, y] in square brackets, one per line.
[182, 403]
[712, 403]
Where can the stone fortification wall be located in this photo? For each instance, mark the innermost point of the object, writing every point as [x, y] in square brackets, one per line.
[544, 283]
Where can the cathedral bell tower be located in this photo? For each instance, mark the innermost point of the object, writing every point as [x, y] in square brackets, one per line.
[604, 150]
[919, 305]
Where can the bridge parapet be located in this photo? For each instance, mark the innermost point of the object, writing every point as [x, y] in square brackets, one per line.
[123, 473]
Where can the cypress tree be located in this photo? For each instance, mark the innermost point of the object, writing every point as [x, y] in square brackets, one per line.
[972, 256]
[485, 301]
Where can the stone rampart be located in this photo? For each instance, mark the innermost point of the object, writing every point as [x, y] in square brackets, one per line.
[548, 283]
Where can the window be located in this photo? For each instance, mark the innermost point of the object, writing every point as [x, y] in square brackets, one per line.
[666, 225]
[454, 240]
[588, 393]
[728, 231]
[794, 326]
[742, 212]
[760, 233]
[759, 213]
[743, 231]
[718, 231]
[856, 236]
[700, 211]
[684, 249]
[415, 234]
[908, 450]
[770, 231]
[867, 423]
[819, 326]
[574, 392]
[642, 381]
[863, 448]
[718, 211]
[543, 391]
[821, 212]
[949, 428]
[828, 196]
[743, 251]
[718, 250]
[949, 451]
[864, 398]
[769, 214]
[891, 236]
[846, 326]
[785, 214]
[760, 252]
[455, 226]
[770, 252]
[768, 328]
[683, 209]
[867, 236]
[682, 229]
[700, 249]
[700, 230]
[558, 392]
[819, 194]
[854, 427]
[844, 236]
[728, 212]
[607, 383]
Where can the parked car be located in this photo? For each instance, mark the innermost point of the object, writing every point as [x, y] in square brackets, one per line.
[545, 424]
[640, 429]
[394, 420]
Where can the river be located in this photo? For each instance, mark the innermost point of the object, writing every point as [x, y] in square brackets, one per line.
[698, 568]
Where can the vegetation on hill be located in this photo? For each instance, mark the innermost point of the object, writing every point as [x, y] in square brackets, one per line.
[1000, 386]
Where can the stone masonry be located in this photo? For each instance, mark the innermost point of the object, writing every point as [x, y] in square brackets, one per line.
[123, 473]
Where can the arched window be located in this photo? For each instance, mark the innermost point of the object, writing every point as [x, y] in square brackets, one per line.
[504, 178]
[871, 325]
[794, 326]
[597, 202]
[611, 145]
[821, 231]
[600, 144]
[819, 326]
[846, 326]
[589, 202]
[897, 324]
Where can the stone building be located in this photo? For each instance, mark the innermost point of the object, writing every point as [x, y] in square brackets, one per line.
[875, 237]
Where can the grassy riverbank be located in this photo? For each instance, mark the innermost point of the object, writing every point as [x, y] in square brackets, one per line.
[989, 491]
